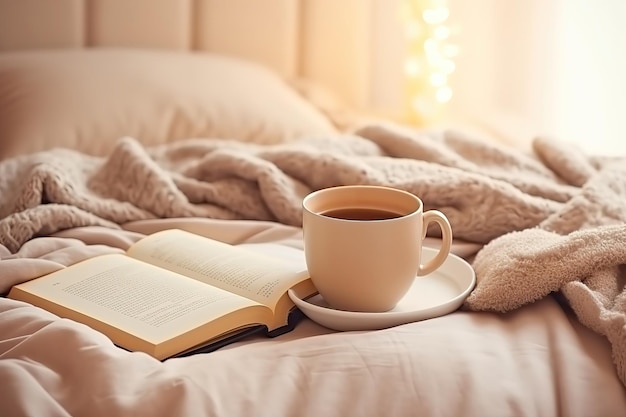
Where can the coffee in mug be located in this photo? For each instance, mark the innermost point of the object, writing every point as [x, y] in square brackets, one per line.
[361, 214]
[363, 244]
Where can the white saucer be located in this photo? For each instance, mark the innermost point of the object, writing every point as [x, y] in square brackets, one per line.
[433, 295]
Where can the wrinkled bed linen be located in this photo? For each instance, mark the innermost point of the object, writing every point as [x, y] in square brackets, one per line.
[535, 361]
[553, 220]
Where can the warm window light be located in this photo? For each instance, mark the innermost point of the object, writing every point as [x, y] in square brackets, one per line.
[436, 15]
[441, 32]
[444, 94]
[429, 60]
[412, 67]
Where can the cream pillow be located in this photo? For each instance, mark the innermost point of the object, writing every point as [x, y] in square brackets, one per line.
[86, 99]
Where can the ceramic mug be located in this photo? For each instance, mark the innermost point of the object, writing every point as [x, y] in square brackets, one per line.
[363, 244]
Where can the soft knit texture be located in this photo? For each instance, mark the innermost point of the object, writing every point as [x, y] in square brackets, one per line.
[551, 221]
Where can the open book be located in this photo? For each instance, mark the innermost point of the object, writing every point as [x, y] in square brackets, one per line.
[173, 292]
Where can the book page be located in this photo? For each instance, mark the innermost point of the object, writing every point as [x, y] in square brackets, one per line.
[138, 298]
[256, 276]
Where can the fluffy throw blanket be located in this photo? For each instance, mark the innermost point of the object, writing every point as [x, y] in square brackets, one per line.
[551, 221]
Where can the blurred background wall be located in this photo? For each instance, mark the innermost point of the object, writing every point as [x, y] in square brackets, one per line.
[522, 68]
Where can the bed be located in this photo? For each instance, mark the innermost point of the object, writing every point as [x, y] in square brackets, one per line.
[119, 119]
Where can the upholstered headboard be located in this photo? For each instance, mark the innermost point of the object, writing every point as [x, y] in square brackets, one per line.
[326, 41]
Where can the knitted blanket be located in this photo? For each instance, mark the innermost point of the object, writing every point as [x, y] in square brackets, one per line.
[551, 221]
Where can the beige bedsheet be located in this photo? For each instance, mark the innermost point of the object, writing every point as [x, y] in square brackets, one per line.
[535, 361]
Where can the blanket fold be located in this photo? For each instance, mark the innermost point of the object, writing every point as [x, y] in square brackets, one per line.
[551, 220]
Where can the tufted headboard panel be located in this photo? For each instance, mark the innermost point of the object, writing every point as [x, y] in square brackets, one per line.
[326, 41]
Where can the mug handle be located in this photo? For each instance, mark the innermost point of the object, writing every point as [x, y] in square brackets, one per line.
[446, 240]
